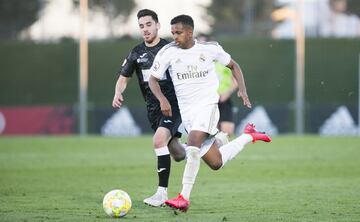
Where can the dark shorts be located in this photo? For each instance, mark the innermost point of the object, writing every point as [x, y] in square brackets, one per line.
[226, 111]
[157, 119]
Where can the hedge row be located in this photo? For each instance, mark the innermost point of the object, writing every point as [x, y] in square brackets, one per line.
[34, 74]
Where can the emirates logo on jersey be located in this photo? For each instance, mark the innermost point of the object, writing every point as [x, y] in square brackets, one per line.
[156, 66]
[192, 73]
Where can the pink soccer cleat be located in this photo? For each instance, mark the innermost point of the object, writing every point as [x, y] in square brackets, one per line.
[178, 202]
[250, 129]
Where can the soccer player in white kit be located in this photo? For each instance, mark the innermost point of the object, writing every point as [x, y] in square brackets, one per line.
[192, 69]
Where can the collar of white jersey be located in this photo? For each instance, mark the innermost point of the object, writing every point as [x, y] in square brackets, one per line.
[196, 42]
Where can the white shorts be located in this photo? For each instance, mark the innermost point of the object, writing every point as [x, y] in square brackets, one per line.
[205, 147]
[203, 118]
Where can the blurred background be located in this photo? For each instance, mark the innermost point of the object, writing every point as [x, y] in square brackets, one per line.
[300, 58]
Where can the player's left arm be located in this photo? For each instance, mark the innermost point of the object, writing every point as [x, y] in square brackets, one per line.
[238, 75]
[227, 94]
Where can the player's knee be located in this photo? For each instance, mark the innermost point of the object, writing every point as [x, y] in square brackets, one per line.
[177, 150]
[178, 157]
[216, 165]
[194, 142]
[159, 141]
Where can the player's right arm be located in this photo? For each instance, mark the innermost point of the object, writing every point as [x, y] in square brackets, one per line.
[120, 87]
[158, 69]
[156, 90]
[125, 73]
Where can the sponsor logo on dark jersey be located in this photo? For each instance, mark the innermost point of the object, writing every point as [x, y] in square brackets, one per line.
[142, 58]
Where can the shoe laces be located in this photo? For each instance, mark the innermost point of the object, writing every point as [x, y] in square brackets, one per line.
[250, 128]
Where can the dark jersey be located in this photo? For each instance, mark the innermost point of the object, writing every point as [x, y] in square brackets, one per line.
[140, 60]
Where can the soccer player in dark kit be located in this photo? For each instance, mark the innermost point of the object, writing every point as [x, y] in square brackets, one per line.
[166, 137]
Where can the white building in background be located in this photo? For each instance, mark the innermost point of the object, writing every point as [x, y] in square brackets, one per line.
[60, 19]
[338, 23]
[322, 18]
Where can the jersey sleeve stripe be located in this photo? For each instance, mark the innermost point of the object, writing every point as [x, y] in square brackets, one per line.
[167, 46]
[208, 43]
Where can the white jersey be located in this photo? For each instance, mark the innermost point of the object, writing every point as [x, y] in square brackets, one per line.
[192, 71]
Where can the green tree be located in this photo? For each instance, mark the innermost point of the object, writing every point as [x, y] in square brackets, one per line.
[15, 15]
[354, 7]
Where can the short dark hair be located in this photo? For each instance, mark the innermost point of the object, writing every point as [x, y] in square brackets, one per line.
[184, 19]
[148, 12]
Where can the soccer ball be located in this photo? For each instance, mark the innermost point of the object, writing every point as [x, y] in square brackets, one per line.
[117, 203]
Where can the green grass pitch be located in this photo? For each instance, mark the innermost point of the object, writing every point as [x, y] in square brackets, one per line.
[291, 179]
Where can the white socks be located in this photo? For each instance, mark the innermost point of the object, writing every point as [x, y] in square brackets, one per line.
[191, 170]
[162, 151]
[161, 190]
[230, 150]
